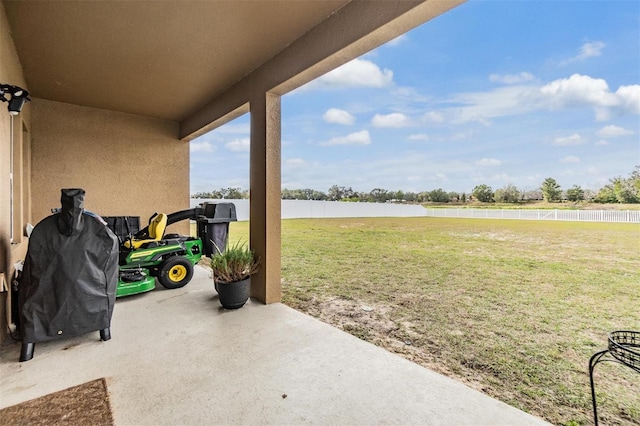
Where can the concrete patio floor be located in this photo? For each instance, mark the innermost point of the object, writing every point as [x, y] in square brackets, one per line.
[177, 358]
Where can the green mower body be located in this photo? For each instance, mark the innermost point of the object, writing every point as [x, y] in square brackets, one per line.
[150, 254]
[134, 281]
[170, 260]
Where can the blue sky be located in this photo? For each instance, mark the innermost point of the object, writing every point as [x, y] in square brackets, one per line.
[491, 92]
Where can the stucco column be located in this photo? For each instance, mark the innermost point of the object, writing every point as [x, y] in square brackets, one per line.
[264, 183]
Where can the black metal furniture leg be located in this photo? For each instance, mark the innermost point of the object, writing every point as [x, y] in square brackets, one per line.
[105, 334]
[623, 349]
[592, 364]
[26, 352]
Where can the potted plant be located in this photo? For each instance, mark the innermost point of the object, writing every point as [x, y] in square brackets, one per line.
[232, 270]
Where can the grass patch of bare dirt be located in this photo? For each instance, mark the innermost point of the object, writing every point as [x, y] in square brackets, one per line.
[514, 309]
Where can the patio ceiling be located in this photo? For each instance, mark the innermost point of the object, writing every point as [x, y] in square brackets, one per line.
[195, 62]
[163, 59]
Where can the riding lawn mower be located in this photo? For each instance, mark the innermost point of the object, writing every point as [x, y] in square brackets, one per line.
[150, 253]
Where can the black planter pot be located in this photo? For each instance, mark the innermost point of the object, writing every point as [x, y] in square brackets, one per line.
[233, 295]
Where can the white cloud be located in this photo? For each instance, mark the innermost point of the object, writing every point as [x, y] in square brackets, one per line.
[573, 92]
[612, 131]
[294, 162]
[238, 145]
[579, 90]
[574, 139]
[570, 159]
[583, 90]
[394, 119]
[338, 116]
[488, 162]
[511, 78]
[433, 117]
[629, 97]
[602, 142]
[499, 102]
[357, 138]
[356, 73]
[588, 50]
[419, 137]
[202, 147]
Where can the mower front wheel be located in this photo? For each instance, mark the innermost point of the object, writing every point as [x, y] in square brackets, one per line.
[175, 272]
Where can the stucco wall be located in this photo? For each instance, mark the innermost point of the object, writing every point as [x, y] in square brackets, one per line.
[10, 73]
[128, 165]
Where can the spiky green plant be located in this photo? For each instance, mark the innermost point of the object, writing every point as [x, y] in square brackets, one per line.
[235, 264]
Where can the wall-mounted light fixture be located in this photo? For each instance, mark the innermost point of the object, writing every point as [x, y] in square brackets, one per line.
[19, 97]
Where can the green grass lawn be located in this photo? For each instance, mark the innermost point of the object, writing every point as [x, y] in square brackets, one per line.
[512, 308]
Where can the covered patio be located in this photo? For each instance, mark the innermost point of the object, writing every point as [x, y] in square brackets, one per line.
[118, 90]
[176, 357]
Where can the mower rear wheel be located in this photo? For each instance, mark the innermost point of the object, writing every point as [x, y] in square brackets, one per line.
[175, 272]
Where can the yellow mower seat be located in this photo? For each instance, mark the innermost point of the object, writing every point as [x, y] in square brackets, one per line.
[156, 232]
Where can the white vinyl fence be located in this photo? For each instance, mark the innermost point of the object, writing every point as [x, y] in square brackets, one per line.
[298, 209]
[626, 216]
[295, 209]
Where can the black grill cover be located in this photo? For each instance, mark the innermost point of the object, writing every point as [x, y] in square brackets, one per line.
[70, 275]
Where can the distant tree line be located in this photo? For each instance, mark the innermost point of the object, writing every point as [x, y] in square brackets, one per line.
[621, 190]
[223, 193]
[618, 190]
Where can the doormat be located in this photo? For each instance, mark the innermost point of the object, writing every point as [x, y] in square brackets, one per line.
[86, 404]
